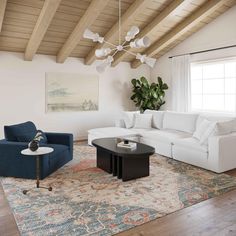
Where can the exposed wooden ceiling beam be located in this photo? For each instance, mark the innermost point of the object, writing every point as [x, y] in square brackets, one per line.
[191, 21]
[42, 24]
[94, 10]
[173, 7]
[129, 16]
[3, 4]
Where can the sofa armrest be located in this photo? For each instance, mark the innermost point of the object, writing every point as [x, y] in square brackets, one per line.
[60, 138]
[13, 163]
[222, 152]
[120, 123]
[10, 146]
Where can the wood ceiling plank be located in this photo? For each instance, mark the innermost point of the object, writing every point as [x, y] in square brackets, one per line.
[18, 29]
[15, 34]
[30, 3]
[152, 26]
[91, 14]
[191, 21]
[20, 23]
[21, 16]
[135, 9]
[42, 24]
[3, 4]
[23, 9]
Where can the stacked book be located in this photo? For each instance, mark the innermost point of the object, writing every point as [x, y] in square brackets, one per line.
[129, 145]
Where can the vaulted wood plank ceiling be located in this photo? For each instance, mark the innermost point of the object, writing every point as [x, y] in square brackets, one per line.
[55, 27]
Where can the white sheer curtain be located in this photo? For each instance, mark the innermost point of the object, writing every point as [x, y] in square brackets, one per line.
[180, 71]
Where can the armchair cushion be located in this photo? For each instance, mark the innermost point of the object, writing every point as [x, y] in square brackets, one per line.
[23, 132]
[60, 138]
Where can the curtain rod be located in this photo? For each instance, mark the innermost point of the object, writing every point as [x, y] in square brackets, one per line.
[208, 50]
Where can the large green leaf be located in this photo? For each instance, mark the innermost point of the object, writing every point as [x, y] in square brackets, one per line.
[134, 82]
[144, 81]
[159, 81]
[165, 86]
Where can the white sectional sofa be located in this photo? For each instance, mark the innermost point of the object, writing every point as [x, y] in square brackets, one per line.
[202, 140]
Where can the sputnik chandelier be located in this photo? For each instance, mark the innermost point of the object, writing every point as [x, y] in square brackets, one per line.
[129, 42]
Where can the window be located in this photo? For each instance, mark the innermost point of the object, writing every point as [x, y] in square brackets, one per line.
[213, 86]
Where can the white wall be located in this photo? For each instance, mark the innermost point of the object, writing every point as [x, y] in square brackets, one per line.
[219, 33]
[22, 93]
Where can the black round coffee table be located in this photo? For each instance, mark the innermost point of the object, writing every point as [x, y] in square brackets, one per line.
[124, 163]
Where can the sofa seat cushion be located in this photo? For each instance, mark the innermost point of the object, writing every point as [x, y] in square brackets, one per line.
[112, 132]
[191, 143]
[140, 132]
[167, 136]
[58, 157]
[57, 148]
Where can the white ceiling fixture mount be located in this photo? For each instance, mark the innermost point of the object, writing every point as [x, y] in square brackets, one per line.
[129, 42]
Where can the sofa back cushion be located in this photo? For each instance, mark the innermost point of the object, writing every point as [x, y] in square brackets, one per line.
[157, 118]
[185, 122]
[143, 121]
[128, 117]
[23, 132]
[212, 117]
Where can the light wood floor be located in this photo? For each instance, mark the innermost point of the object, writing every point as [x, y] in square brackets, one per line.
[214, 217]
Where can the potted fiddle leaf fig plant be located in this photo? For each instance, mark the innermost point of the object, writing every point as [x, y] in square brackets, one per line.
[146, 95]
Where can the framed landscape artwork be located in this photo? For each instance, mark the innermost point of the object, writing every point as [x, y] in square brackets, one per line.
[66, 92]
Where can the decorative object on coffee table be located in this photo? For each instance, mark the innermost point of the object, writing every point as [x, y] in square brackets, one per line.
[38, 154]
[34, 144]
[127, 144]
[124, 163]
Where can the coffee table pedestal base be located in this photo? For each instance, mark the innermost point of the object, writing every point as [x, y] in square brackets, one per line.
[124, 167]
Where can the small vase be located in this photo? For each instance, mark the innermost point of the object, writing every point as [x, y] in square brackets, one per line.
[33, 145]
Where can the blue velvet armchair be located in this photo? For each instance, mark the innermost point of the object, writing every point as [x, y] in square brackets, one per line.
[17, 137]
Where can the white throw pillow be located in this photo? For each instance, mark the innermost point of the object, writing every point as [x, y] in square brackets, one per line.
[180, 121]
[128, 117]
[208, 133]
[157, 118]
[204, 130]
[201, 128]
[143, 121]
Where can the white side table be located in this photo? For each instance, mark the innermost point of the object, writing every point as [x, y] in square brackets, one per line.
[38, 153]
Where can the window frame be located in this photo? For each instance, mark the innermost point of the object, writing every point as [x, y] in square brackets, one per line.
[213, 62]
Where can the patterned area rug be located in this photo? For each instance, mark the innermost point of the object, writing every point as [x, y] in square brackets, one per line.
[87, 201]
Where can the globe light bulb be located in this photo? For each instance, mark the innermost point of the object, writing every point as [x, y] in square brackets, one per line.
[102, 52]
[148, 60]
[88, 34]
[132, 33]
[105, 63]
[140, 43]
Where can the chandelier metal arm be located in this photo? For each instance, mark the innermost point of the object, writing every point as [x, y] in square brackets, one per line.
[111, 44]
[114, 53]
[131, 53]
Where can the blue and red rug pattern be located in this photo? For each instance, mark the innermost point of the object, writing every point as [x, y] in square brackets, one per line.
[87, 201]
